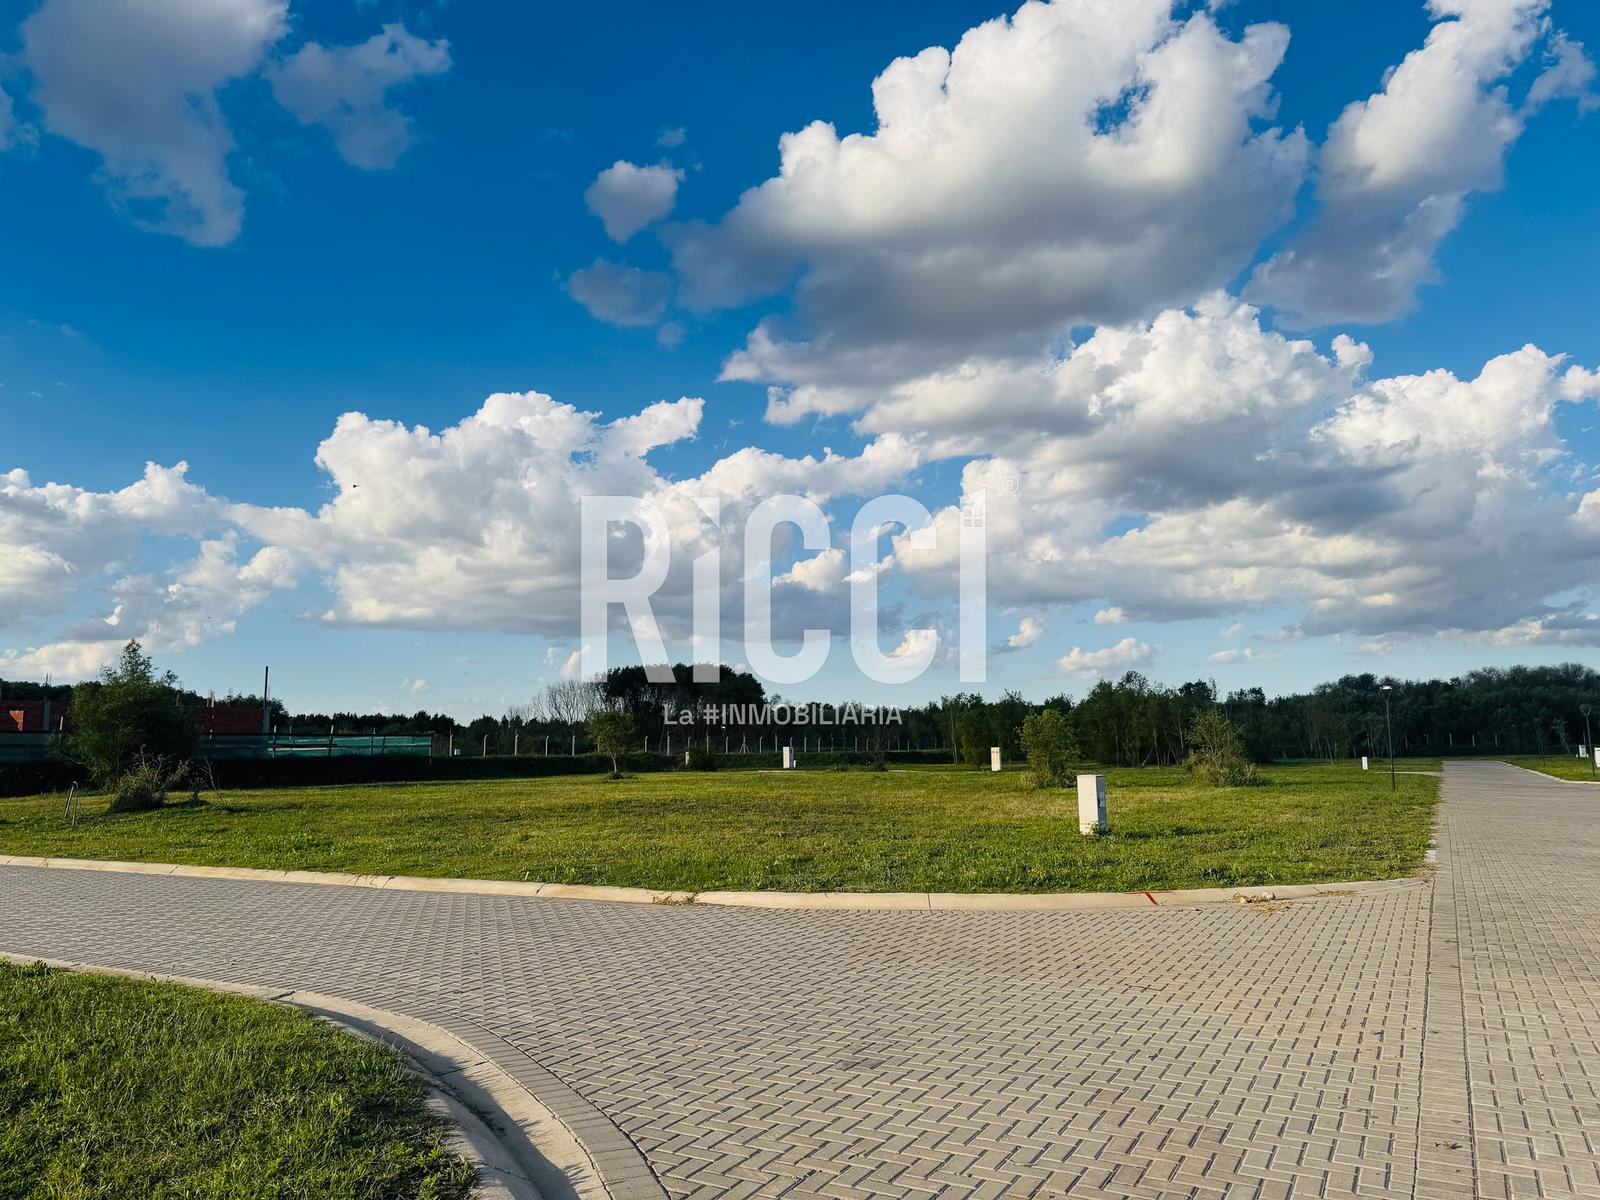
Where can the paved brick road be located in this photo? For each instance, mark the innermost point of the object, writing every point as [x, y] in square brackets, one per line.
[1418, 1041]
[1513, 1042]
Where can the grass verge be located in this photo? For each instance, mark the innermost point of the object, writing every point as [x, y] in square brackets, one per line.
[927, 829]
[1559, 765]
[111, 1088]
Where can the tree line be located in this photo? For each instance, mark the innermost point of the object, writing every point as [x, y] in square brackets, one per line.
[1131, 721]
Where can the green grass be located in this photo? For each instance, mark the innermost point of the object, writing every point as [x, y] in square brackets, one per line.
[113, 1088]
[1559, 765]
[929, 829]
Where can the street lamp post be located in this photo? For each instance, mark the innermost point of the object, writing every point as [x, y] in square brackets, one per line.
[1588, 738]
[1389, 731]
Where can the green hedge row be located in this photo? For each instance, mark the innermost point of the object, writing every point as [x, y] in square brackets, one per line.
[30, 779]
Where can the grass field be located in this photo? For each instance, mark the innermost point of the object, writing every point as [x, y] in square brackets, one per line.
[113, 1088]
[1559, 765]
[922, 829]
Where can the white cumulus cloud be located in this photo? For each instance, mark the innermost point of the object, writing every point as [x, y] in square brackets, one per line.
[1080, 162]
[1029, 631]
[1203, 466]
[1125, 655]
[137, 82]
[1397, 168]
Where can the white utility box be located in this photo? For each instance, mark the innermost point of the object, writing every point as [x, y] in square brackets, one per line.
[1092, 804]
[994, 758]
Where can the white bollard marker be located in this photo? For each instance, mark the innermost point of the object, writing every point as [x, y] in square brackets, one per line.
[1091, 804]
[994, 758]
[788, 757]
[1364, 766]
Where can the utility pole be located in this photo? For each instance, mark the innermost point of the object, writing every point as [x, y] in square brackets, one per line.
[1388, 726]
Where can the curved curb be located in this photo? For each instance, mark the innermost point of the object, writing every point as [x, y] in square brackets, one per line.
[549, 1145]
[847, 901]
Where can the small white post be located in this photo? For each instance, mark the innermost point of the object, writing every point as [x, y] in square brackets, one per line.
[1583, 752]
[574, 744]
[1091, 804]
[686, 758]
[788, 757]
[1364, 765]
[994, 758]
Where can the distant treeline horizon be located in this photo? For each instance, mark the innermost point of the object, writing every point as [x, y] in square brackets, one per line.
[1130, 721]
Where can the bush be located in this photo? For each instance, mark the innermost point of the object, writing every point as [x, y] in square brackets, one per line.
[1051, 747]
[1216, 753]
[144, 785]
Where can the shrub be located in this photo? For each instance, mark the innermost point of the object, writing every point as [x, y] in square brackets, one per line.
[144, 785]
[1216, 753]
[1051, 747]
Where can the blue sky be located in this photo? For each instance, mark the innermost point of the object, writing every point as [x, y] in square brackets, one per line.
[410, 291]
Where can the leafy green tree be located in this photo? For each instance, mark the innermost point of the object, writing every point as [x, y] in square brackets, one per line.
[130, 716]
[611, 730]
[1051, 747]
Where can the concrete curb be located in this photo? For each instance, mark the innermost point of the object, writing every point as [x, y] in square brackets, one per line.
[849, 901]
[522, 1148]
